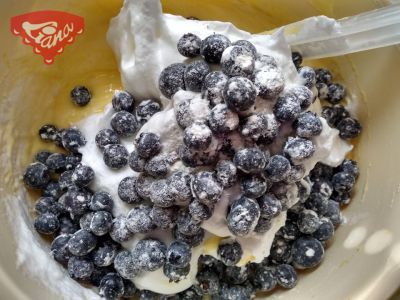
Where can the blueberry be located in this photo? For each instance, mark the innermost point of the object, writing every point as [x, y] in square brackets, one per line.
[67, 226]
[80, 268]
[123, 100]
[213, 46]
[130, 289]
[185, 224]
[85, 220]
[127, 190]
[179, 254]
[303, 94]
[317, 203]
[46, 223]
[334, 114]
[189, 45]
[206, 188]
[150, 254]
[237, 61]
[321, 171]
[194, 75]
[343, 182]
[49, 133]
[278, 168]
[172, 79]
[115, 156]
[325, 230]
[290, 231]
[160, 194]
[222, 119]
[322, 187]
[52, 189]
[349, 128]
[176, 274]
[104, 255]
[307, 252]
[265, 62]
[308, 221]
[298, 149]
[36, 175]
[143, 185]
[239, 93]
[82, 175]
[163, 217]
[230, 252]
[264, 278]
[72, 161]
[80, 95]
[235, 275]
[72, 139]
[42, 156]
[191, 293]
[349, 166]
[126, 264]
[323, 75]
[260, 125]
[307, 125]
[269, 83]
[336, 93]
[341, 198]
[286, 276]
[307, 75]
[179, 185]
[297, 59]
[56, 162]
[253, 186]
[208, 282]
[135, 162]
[270, 206]
[124, 123]
[192, 240]
[156, 167]
[333, 213]
[243, 216]
[146, 109]
[237, 292]
[296, 173]
[323, 90]
[197, 136]
[199, 211]
[250, 160]
[148, 144]
[101, 223]
[48, 205]
[139, 220]
[213, 86]
[101, 201]
[82, 242]
[263, 225]
[148, 295]
[303, 189]
[119, 231]
[280, 250]
[111, 286]
[226, 173]
[287, 107]
[59, 249]
[106, 137]
[192, 158]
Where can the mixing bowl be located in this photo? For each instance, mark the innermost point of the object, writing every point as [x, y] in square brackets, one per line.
[363, 261]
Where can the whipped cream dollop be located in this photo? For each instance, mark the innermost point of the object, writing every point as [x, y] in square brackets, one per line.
[144, 41]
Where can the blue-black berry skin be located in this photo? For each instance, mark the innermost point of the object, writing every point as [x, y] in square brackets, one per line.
[237, 292]
[192, 293]
[194, 75]
[150, 254]
[192, 240]
[350, 166]
[333, 213]
[172, 79]
[160, 194]
[239, 93]
[287, 107]
[82, 242]
[164, 217]
[264, 278]
[72, 139]
[36, 175]
[222, 120]
[148, 144]
[135, 162]
[175, 274]
[237, 61]
[83, 175]
[85, 220]
[243, 216]
[290, 231]
[59, 249]
[317, 202]
[52, 189]
[269, 83]
[146, 109]
[213, 46]
[321, 171]
[126, 264]
[208, 282]
[48, 205]
[206, 187]
[127, 190]
[343, 182]
[213, 86]
[101, 223]
[49, 133]
[80, 95]
[250, 160]
[308, 221]
[148, 295]
[323, 75]
[260, 127]
[236, 275]
[104, 255]
[199, 212]
[67, 225]
[80, 268]
[101, 201]
[130, 289]
[334, 114]
[325, 230]
[323, 187]
[298, 149]
[307, 252]
[111, 286]
[46, 223]
[336, 93]
[72, 161]
[197, 136]
[226, 173]
[253, 186]
[179, 254]
[297, 59]
[185, 224]
[106, 137]
[286, 276]
[349, 128]
[281, 251]
[230, 252]
[115, 156]
[307, 125]
[139, 220]
[189, 45]
[123, 100]
[270, 206]
[307, 75]
[56, 162]
[278, 168]
[124, 123]
[263, 225]
[247, 45]
[156, 167]
[42, 156]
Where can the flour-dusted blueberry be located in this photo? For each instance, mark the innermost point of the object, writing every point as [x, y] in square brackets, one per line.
[192, 240]
[48, 205]
[189, 45]
[206, 187]
[317, 203]
[307, 75]
[150, 254]
[139, 219]
[260, 126]
[176, 274]
[143, 185]
[343, 182]
[127, 190]
[160, 193]
[148, 295]
[239, 93]
[298, 149]
[135, 162]
[290, 231]
[148, 144]
[124, 123]
[264, 278]
[278, 168]
[236, 275]
[323, 90]
[156, 167]
[130, 289]
[56, 162]
[325, 230]
[333, 213]
[321, 171]
[185, 224]
[334, 114]
[179, 254]
[247, 45]
[297, 59]
[119, 231]
[287, 107]
[46, 223]
[72, 161]
[213, 86]
[194, 75]
[101, 201]
[250, 160]
[126, 264]
[111, 286]
[146, 109]
[172, 79]
[59, 249]
[106, 137]
[37, 175]
[243, 216]
[323, 75]
[237, 61]
[296, 173]
[270, 206]
[281, 251]
[208, 282]
[308, 221]
[222, 120]
[104, 255]
[82, 242]
[230, 252]
[179, 186]
[307, 252]
[226, 173]
[192, 293]
[304, 95]
[80, 95]
[164, 217]
[72, 139]
[269, 83]
[49, 133]
[123, 100]
[336, 93]
[85, 220]
[101, 222]
[349, 128]
[67, 225]
[253, 186]
[208, 262]
[307, 125]
[341, 198]
[286, 276]
[349, 166]
[323, 187]
[98, 274]
[199, 211]
[42, 156]
[263, 225]
[265, 62]
[80, 268]
[197, 136]
[52, 189]
[83, 175]
[213, 46]
[76, 200]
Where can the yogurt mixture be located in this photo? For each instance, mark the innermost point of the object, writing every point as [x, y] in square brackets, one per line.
[144, 41]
